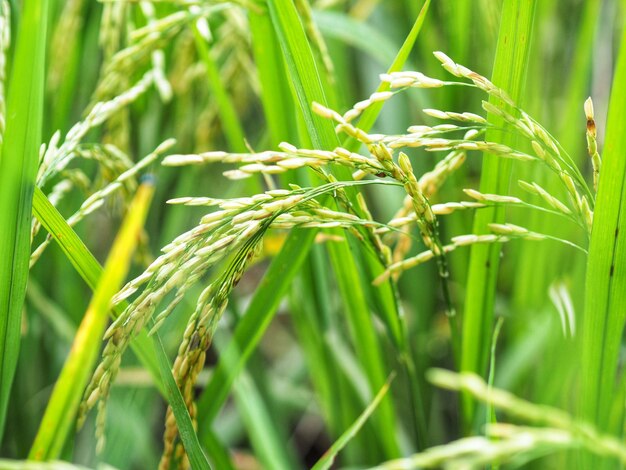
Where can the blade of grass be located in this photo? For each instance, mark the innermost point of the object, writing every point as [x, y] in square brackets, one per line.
[186, 431]
[303, 71]
[63, 404]
[275, 95]
[605, 295]
[319, 48]
[330, 455]
[459, 17]
[18, 168]
[90, 270]
[312, 321]
[365, 340]
[508, 73]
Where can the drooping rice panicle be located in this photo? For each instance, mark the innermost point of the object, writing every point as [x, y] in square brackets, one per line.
[158, 58]
[196, 340]
[419, 136]
[97, 199]
[270, 162]
[459, 241]
[56, 157]
[546, 148]
[142, 43]
[552, 430]
[188, 258]
[552, 201]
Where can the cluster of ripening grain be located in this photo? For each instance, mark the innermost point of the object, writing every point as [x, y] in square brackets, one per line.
[117, 177]
[545, 428]
[238, 225]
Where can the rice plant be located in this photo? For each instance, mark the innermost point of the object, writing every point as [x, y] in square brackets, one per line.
[333, 234]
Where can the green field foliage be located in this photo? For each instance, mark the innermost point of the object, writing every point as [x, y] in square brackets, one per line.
[326, 234]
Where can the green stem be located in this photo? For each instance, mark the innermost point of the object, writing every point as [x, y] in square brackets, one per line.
[509, 74]
[605, 294]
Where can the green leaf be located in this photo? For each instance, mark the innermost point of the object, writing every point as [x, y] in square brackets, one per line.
[509, 74]
[303, 71]
[90, 270]
[183, 421]
[329, 456]
[60, 414]
[605, 293]
[18, 169]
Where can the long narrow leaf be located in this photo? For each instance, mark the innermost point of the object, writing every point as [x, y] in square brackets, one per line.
[331, 454]
[183, 421]
[508, 73]
[61, 411]
[605, 294]
[90, 270]
[18, 167]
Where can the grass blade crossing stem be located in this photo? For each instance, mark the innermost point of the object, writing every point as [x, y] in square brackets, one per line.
[68, 390]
